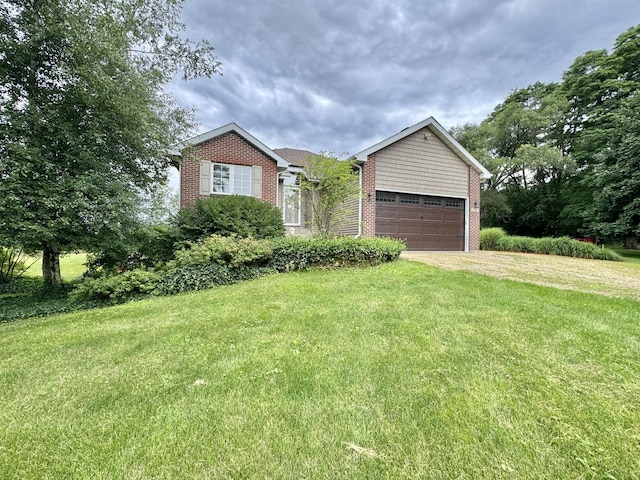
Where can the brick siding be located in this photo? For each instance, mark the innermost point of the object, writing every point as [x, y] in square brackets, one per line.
[474, 213]
[229, 148]
[369, 196]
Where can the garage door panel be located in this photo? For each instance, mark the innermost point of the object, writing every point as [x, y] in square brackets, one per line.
[409, 228]
[386, 229]
[432, 228]
[407, 212]
[386, 211]
[423, 222]
[452, 229]
[452, 215]
[430, 213]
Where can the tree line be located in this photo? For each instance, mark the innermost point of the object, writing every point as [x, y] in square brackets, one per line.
[565, 156]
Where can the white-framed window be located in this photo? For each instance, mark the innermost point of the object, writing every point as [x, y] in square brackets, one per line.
[230, 179]
[291, 200]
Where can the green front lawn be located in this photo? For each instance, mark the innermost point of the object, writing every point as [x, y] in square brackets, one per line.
[398, 371]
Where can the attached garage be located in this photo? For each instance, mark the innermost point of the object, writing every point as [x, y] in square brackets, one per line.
[422, 186]
[424, 222]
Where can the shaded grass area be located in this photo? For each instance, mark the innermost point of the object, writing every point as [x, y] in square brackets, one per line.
[26, 297]
[398, 371]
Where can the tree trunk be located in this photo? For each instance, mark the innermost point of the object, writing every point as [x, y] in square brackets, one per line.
[50, 265]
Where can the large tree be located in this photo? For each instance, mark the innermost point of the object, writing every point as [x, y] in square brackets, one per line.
[84, 123]
[523, 144]
[604, 91]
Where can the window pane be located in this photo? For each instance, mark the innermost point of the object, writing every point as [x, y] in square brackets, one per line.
[221, 179]
[433, 201]
[413, 199]
[385, 197]
[291, 205]
[242, 180]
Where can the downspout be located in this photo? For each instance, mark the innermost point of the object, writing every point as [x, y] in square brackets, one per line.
[359, 201]
[180, 186]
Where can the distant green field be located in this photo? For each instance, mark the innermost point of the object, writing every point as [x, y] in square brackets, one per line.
[628, 254]
[71, 266]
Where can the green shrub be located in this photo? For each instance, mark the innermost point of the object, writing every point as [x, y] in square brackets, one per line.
[294, 253]
[200, 277]
[563, 246]
[489, 238]
[516, 244]
[116, 288]
[230, 215]
[146, 247]
[231, 251]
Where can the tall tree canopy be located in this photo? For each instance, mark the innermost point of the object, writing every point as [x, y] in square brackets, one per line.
[522, 143]
[565, 156]
[604, 91]
[84, 124]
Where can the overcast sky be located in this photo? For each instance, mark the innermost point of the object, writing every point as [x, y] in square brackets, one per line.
[341, 75]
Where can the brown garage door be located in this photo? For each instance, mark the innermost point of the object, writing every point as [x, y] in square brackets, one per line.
[424, 222]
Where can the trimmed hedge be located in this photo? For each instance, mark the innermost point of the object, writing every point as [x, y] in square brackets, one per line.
[496, 239]
[295, 253]
[231, 251]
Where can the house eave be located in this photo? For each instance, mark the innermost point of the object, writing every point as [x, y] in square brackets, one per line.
[439, 131]
[281, 163]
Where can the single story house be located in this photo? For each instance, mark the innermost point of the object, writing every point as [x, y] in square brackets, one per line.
[420, 184]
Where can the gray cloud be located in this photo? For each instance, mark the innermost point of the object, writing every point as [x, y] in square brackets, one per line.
[342, 75]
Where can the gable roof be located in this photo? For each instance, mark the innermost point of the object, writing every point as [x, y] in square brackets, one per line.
[296, 157]
[437, 130]
[233, 127]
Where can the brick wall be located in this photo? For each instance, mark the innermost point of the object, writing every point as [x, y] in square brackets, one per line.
[231, 149]
[474, 212]
[369, 202]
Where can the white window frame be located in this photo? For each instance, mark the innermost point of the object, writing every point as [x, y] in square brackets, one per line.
[232, 173]
[291, 183]
[292, 188]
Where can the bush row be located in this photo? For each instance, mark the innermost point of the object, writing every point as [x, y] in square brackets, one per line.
[225, 260]
[294, 253]
[497, 239]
